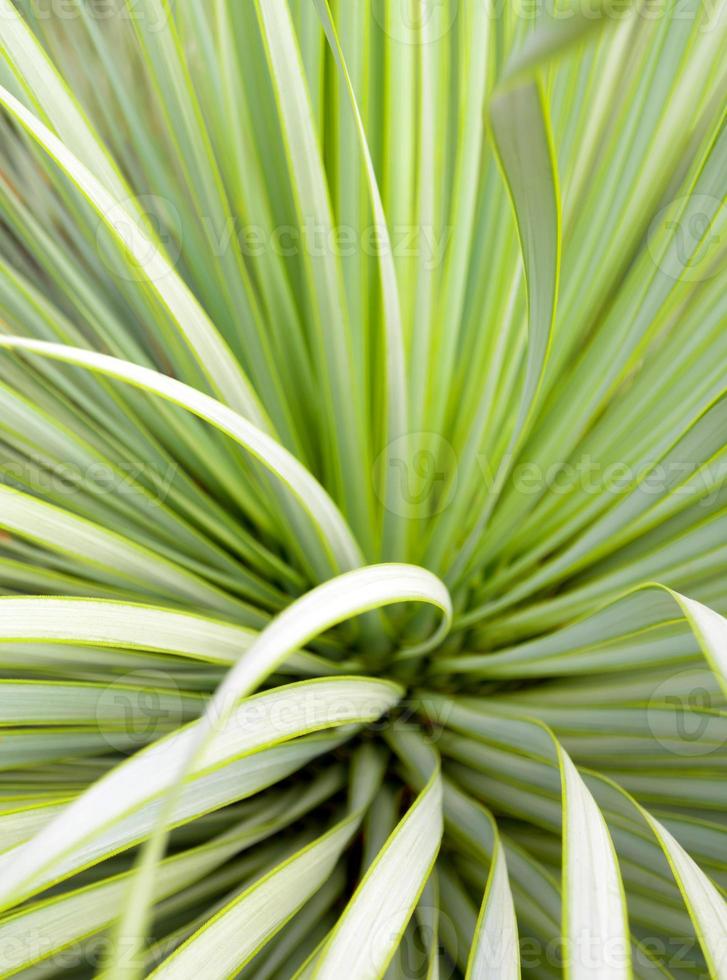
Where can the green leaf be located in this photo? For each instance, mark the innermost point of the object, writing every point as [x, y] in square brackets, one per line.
[396, 394]
[595, 916]
[329, 604]
[707, 908]
[341, 385]
[369, 930]
[215, 359]
[124, 806]
[259, 912]
[79, 913]
[288, 288]
[495, 951]
[327, 520]
[521, 131]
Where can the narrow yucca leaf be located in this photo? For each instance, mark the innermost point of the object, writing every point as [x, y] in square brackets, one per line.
[80, 913]
[395, 395]
[595, 904]
[365, 938]
[495, 951]
[519, 121]
[342, 390]
[594, 912]
[123, 808]
[708, 628]
[706, 906]
[520, 128]
[61, 531]
[88, 623]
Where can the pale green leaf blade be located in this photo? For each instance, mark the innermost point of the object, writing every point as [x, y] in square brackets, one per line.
[595, 917]
[521, 130]
[327, 605]
[396, 392]
[367, 934]
[707, 907]
[121, 807]
[495, 952]
[340, 380]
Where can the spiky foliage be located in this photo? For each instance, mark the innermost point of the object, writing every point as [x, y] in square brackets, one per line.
[341, 452]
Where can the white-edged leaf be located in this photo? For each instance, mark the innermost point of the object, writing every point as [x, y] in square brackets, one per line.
[104, 706]
[520, 125]
[707, 908]
[595, 918]
[370, 929]
[231, 938]
[107, 623]
[320, 509]
[73, 915]
[124, 805]
[61, 530]
[110, 623]
[235, 934]
[711, 631]
[396, 379]
[595, 921]
[340, 377]
[495, 953]
[521, 130]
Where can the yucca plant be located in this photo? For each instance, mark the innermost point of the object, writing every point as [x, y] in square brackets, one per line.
[363, 513]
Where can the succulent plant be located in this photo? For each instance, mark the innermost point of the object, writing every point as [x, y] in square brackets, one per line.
[363, 511]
